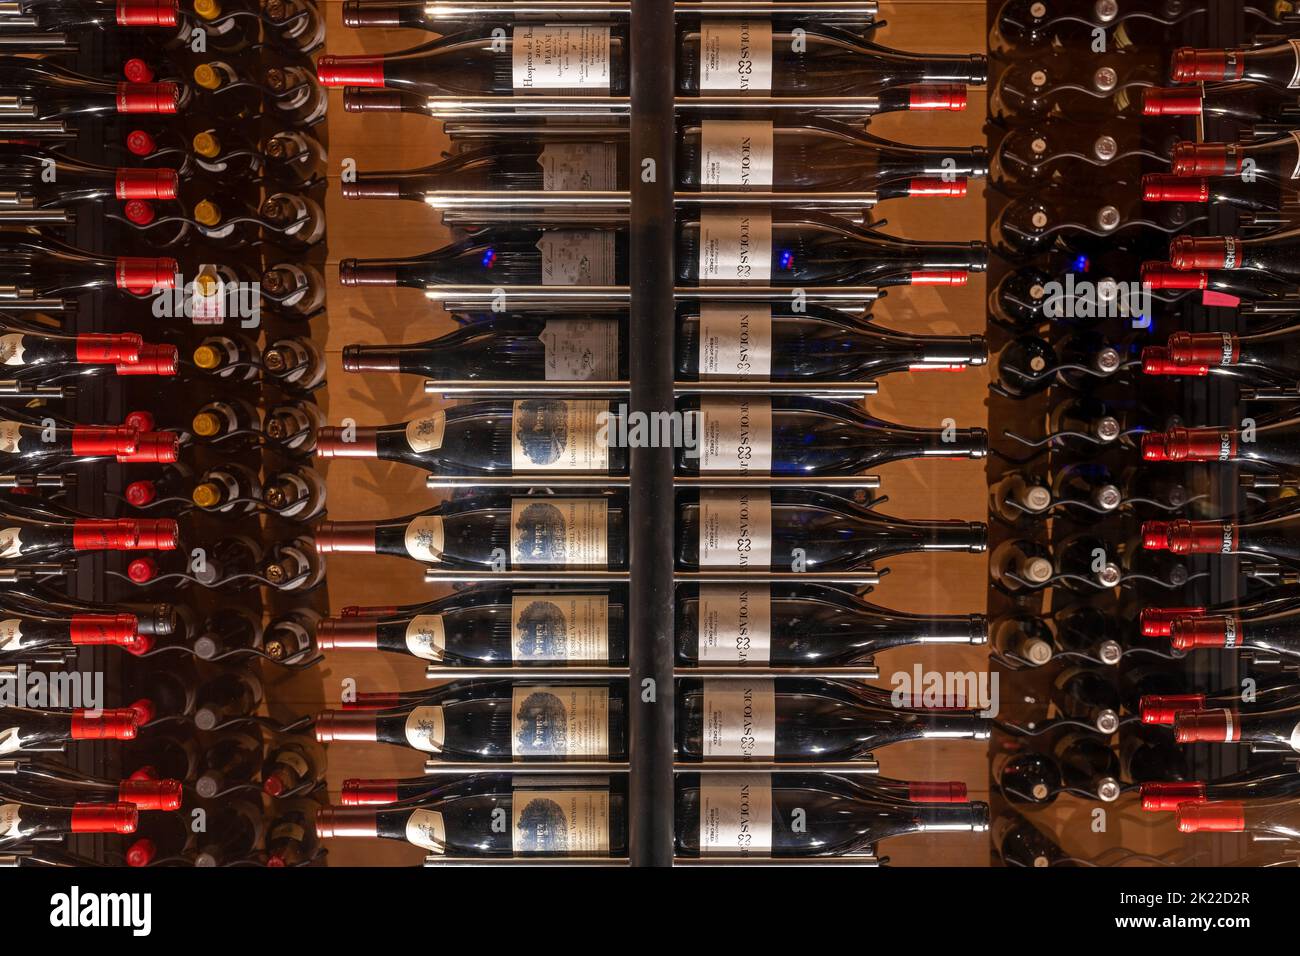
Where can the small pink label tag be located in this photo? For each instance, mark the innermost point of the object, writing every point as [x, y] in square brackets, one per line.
[1220, 299]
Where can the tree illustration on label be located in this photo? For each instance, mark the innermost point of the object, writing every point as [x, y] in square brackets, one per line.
[542, 430]
[542, 723]
[540, 534]
[543, 633]
[542, 827]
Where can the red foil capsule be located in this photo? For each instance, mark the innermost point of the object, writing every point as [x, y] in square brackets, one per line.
[1204, 66]
[158, 448]
[157, 534]
[104, 818]
[140, 143]
[1168, 797]
[934, 186]
[1200, 444]
[154, 359]
[367, 793]
[350, 71]
[1204, 348]
[94, 348]
[147, 13]
[146, 184]
[1203, 159]
[1155, 535]
[140, 493]
[1202, 537]
[1156, 621]
[332, 725]
[141, 421]
[95, 629]
[350, 633]
[1157, 361]
[142, 276]
[138, 212]
[107, 725]
[1213, 252]
[1157, 187]
[363, 442]
[143, 645]
[142, 852]
[136, 70]
[1220, 631]
[105, 534]
[145, 711]
[1163, 101]
[939, 277]
[1162, 710]
[356, 537]
[98, 440]
[1224, 816]
[153, 98]
[1162, 275]
[165, 795]
[937, 98]
[936, 791]
[142, 570]
[1207, 726]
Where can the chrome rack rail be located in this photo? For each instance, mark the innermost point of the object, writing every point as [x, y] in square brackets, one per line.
[863, 859]
[435, 859]
[447, 768]
[11, 388]
[467, 9]
[568, 107]
[861, 766]
[618, 297]
[27, 213]
[434, 575]
[596, 482]
[469, 388]
[711, 672]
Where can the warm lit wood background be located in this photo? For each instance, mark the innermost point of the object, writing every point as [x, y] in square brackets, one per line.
[949, 584]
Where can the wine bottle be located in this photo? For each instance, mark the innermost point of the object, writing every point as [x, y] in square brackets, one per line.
[806, 437]
[742, 343]
[1273, 539]
[1266, 730]
[1021, 844]
[43, 267]
[1275, 779]
[50, 91]
[1274, 255]
[26, 538]
[494, 625]
[32, 349]
[1218, 287]
[27, 728]
[225, 697]
[1265, 820]
[230, 761]
[1261, 195]
[800, 720]
[44, 179]
[291, 834]
[715, 56]
[499, 721]
[159, 838]
[533, 531]
[1158, 621]
[1020, 563]
[1276, 633]
[1089, 766]
[749, 815]
[55, 16]
[528, 436]
[292, 764]
[741, 530]
[1275, 445]
[552, 821]
[23, 633]
[1022, 26]
[511, 346]
[1086, 695]
[23, 822]
[802, 624]
[236, 828]
[1028, 777]
[297, 493]
[227, 631]
[1265, 359]
[1276, 159]
[295, 363]
[1276, 65]
[1241, 102]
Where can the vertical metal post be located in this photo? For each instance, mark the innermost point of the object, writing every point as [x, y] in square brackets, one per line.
[652, 512]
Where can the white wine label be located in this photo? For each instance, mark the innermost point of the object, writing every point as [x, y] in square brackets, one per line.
[736, 56]
[735, 624]
[11, 634]
[564, 532]
[11, 542]
[1295, 74]
[735, 342]
[573, 57]
[735, 247]
[425, 434]
[10, 742]
[426, 638]
[12, 348]
[736, 814]
[577, 257]
[560, 627]
[736, 154]
[735, 530]
[10, 822]
[424, 828]
[560, 722]
[736, 435]
[424, 538]
[581, 350]
[426, 729]
[739, 719]
[10, 434]
[554, 435]
[560, 822]
[579, 167]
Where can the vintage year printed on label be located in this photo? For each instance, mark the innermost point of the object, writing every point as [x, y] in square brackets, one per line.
[739, 719]
[736, 814]
[736, 56]
[736, 154]
[735, 529]
[735, 624]
[736, 435]
[735, 246]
